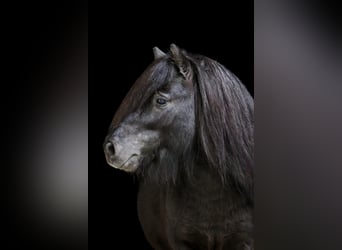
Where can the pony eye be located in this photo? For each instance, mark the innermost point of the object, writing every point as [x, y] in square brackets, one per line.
[161, 101]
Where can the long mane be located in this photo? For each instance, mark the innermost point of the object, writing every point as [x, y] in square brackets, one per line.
[225, 123]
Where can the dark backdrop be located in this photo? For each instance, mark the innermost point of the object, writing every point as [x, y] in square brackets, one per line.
[120, 50]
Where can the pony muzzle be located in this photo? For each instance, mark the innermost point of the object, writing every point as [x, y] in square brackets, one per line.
[118, 158]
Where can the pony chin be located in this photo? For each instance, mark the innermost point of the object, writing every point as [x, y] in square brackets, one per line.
[129, 166]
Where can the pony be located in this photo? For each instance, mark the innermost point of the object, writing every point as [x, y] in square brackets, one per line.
[185, 130]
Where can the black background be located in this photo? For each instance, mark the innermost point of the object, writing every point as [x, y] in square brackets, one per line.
[120, 49]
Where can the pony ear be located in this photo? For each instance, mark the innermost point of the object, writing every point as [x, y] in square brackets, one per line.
[158, 53]
[181, 62]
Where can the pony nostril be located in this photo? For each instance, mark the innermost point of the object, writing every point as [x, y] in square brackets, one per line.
[109, 148]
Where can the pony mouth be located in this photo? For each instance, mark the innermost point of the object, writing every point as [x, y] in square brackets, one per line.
[130, 165]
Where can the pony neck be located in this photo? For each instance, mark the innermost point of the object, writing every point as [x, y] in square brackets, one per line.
[203, 180]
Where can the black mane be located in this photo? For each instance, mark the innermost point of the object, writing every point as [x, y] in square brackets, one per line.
[225, 123]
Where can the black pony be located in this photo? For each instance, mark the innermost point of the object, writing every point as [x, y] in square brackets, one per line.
[185, 129]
